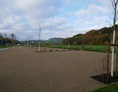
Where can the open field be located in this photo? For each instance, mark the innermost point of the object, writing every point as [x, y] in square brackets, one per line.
[24, 70]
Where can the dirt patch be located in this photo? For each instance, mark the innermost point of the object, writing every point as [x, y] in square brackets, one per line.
[103, 79]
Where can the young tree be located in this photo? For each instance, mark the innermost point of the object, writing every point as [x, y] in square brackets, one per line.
[115, 10]
[13, 38]
[39, 42]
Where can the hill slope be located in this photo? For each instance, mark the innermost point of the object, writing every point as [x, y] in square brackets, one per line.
[51, 40]
[96, 37]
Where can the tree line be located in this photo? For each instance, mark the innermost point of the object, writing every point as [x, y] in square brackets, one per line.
[92, 37]
[8, 39]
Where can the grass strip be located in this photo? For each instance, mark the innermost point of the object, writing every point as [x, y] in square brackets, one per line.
[4, 46]
[110, 88]
[96, 48]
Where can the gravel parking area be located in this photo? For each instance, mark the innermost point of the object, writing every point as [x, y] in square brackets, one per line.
[24, 70]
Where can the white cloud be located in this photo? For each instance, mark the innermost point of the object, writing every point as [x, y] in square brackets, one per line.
[26, 4]
[92, 10]
[38, 9]
[93, 16]
[61, 18]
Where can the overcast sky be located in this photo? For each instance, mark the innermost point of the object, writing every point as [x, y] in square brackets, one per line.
[57, 18]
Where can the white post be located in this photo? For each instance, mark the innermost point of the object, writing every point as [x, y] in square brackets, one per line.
[39, 46]
[112, 58]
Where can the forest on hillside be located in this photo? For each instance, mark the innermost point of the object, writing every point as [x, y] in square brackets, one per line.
[92, 37]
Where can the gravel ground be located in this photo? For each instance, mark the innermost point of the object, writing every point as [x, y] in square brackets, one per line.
[24, 70]
[3, 48]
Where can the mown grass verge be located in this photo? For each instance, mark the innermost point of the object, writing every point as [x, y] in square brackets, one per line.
[110, 88]
[4, 46]
[96, 48]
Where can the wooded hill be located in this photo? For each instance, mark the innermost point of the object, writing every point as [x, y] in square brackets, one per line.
[92, 37]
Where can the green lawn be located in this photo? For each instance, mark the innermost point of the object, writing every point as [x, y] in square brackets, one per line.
[4, 46]
[110, 88]
[97, 48]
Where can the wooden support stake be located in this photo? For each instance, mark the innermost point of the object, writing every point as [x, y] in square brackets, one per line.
[116, 72]
[108, 51]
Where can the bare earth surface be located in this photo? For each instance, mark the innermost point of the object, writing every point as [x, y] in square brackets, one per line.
[24, 70]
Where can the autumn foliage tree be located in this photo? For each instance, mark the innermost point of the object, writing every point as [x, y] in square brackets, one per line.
[92, 37]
